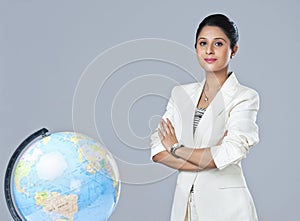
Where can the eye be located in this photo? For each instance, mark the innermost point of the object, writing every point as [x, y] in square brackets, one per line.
[218, 44]
[202, 43]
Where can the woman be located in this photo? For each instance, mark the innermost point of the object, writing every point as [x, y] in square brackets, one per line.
[207, 130]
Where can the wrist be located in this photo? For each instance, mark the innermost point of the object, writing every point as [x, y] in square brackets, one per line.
[175, 147]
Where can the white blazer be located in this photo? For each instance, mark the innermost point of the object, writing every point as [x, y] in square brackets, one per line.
[221, 194]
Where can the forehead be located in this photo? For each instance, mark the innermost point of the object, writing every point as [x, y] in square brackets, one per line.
[211, 32]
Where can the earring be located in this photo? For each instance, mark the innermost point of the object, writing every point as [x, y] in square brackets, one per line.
[232, 55]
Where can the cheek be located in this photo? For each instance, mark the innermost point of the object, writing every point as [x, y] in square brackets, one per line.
[200, 53]
[225, 55]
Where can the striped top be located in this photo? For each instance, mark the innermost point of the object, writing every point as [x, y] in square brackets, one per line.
[198, 115]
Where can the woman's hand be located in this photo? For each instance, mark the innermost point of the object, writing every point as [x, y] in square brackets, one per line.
[167, 134]
[221, 140]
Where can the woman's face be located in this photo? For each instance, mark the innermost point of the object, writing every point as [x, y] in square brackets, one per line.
[213, 49]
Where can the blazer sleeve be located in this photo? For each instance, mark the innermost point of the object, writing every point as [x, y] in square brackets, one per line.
[242, 132]
[156, 145]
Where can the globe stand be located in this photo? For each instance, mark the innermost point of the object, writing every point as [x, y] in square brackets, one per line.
[7, 183]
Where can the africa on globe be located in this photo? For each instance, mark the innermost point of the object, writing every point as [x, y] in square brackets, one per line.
[62, 176]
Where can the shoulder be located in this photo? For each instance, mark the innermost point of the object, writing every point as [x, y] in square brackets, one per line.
[183, 93]
[185, 88]
[240, 90]
[246, 96]
[247, 92]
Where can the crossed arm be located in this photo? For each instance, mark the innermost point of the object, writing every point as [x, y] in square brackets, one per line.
[241, 134]
[167, 159]
[189, 159]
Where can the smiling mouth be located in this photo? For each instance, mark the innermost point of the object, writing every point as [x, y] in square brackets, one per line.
[210, 60]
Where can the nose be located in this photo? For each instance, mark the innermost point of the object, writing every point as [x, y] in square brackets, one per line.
[209, 49]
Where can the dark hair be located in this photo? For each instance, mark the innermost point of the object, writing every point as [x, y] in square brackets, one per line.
[223, 22]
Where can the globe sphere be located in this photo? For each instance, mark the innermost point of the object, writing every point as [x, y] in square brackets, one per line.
[63, 176]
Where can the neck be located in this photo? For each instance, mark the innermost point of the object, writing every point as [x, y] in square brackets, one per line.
[214, 81]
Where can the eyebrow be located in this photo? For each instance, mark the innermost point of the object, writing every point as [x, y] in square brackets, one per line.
[214, 38]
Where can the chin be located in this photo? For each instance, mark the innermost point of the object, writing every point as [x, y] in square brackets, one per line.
[213, 69]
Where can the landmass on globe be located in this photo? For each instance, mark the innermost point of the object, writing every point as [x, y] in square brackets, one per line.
[65, 176]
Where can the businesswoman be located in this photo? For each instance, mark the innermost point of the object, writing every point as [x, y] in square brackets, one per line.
[207, 129]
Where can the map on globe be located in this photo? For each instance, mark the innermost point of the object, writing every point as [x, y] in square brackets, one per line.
[65, 176]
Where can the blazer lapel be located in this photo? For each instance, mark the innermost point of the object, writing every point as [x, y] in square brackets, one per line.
[187, 105]
[215, 108]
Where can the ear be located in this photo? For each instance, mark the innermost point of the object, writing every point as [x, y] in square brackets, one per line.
[196, 50]
[234, 51]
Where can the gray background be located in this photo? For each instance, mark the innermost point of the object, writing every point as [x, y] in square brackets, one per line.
[46, 45]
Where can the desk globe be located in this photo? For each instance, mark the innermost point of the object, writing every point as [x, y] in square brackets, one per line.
[61, 176]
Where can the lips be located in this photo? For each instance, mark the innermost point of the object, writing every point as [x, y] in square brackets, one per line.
[210, 60]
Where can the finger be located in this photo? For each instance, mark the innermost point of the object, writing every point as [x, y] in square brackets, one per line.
[160, 135]
[170, 126]
[225, 134]
[166, 128]
[221, 140]
[168, 121]
[163, 128]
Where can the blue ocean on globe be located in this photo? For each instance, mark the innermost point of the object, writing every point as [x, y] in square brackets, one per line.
[65, 176]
